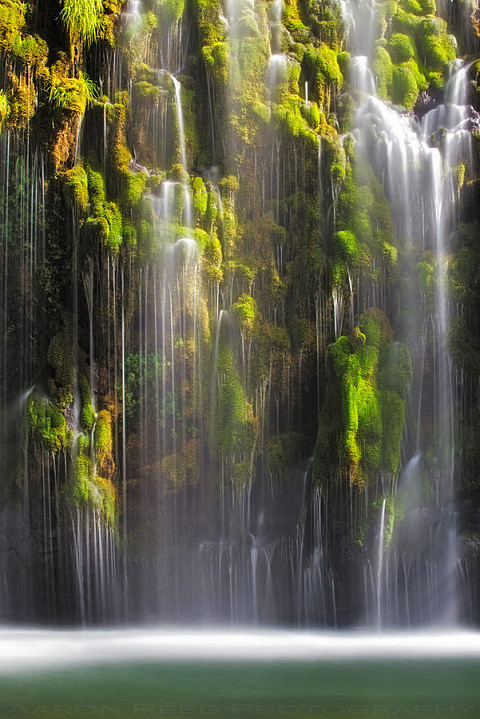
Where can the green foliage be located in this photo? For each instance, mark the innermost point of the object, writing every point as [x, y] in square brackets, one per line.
[216, 60]
[29, 50]
[105, 221]
[104, 443]
[404, 87]
[321, 70]
[72, 94]
[173, 9]
[143, 373]
[89, 489]
[22, 104]
[464, 347]
[212, 258]
[60, 357]
[246, 311]
[371, 374]
[401, 48]
[75, 184]
[435, 46]
[4, 107]
[82, 19]
[133, 187]
[12, 17]
[425, 272]
[291, 19]
[347, 246]
[363, 212]
[283, 453]
[47, 426]
[200, 197]
[88, 415]
[233, 421]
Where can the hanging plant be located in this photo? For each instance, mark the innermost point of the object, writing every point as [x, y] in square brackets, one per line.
[82, 19]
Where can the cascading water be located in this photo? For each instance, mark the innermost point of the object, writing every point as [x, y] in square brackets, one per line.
[415, 580]
[176, 284]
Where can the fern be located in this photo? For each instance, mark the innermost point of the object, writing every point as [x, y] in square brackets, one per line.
[83, 19]
[71, 93]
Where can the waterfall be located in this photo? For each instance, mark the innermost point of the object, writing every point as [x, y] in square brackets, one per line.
[238, 359]
[417, 173]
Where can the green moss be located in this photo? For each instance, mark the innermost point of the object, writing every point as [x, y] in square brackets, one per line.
[364, 211]
[291, 19]
[119, 153]
[133, 187]
[347, 246]
[47, 426]
[89, 489]
[75, 183]
[173, 9]
[23, 102]
[246, 311]
[343, 60]
[435, 46]
[426, 277]
[29, 50]
[96, 189]
[393, 418]
[288, 116]
[464, 347]
[413, 6]
[115, 231]
[4, 107]
[60, 358]
[283, 453]
[429, 7]
[26, 50]
[105, 222]
[234, 430]
[212, 258]
[212, 209]
[405, 22]
[12, 17]
[87, 414]
[320, 68]
[200, 197]
[366, 404]
[104, 443]
[401, 48]
[404, 87]
[71, 94]
[129, 234]
[216, 60]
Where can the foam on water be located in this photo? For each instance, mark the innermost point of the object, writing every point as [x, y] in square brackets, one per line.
[30, 650]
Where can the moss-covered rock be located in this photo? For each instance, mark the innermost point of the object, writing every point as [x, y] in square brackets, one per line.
[87, 414]
[90, 490]
[246, 311]
[234, 430]
[371, 375]
[104, 444]
[60, 357]
[47, 426]
[76, 187]
[71, 94]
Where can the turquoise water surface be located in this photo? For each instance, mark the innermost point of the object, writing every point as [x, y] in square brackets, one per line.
[372, 682]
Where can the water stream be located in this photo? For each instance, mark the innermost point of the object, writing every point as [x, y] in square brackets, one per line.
[192, 414]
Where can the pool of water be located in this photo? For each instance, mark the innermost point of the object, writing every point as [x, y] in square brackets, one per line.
[171, 674]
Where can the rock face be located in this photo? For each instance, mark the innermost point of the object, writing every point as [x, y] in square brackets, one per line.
[239, 276]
